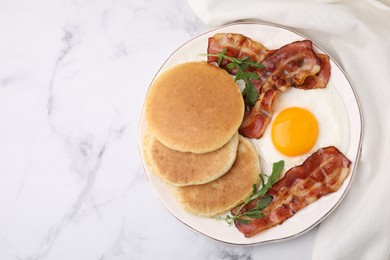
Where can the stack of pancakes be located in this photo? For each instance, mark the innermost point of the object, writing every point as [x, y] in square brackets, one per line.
[193, 113]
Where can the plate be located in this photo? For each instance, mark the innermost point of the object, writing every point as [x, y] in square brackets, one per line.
[273, 37]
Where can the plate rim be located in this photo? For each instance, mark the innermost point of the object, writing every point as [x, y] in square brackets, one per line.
[355, 161]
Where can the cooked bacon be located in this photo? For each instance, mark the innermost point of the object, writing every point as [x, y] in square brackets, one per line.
[293, 65]
[286, 67]
[320, 174]
[236, 46]
[321, 78]
[289, 66]
[240, 46]
[256, 119]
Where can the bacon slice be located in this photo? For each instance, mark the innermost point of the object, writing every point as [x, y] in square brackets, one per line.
[289, 66]
[286, 67]
[236, 46]
[321, 78]
[293, 65]
[240, 46]
[322, 173]
[256, 120]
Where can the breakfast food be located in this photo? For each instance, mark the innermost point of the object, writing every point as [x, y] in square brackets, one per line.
[320, 79]
[237, 46]
[226, 192]
[301, 125]
[286, 67]
[322, 173]
[194, 107]
[301, 91]
[324, 120]
[195, 110]
[293, 65]
[185, 168]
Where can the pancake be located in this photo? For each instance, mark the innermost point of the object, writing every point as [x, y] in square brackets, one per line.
[184, 168]
[194, 107]
[228, 191]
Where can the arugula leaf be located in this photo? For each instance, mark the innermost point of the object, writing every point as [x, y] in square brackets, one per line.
[276, 169]
[250, 94]
[254, 214]
[256, 64]
[251, 75]
[220, 57]
[263, 203]
[242, 65]
[243, 221]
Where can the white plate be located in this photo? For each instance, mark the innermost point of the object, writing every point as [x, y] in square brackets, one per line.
[272, 37]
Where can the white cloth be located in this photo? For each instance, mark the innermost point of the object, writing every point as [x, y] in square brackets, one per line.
[357, 35]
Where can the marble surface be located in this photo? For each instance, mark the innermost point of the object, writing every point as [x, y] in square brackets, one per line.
[73, 76]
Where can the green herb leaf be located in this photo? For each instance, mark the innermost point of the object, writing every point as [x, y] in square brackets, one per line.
[262, 179]
[243, 221]
[242, 65]
[276, 170]
[251, 75]
[231, 66]
[256, 64]
[254, 214]
[240, 74]
[221, 57]
[263, 203]
[251, 95]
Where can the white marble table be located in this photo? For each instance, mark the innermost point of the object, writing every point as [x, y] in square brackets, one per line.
[73, 76]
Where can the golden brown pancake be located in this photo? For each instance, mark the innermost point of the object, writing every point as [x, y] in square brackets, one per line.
[228, 191]
[194, 107]
[184, 168]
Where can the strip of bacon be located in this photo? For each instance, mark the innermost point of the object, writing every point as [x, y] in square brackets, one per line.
[286, 67]
[240, 46]
[236, 46]
[293, 65]
[289, 66]
[256, 119]
[321, 78]
[320, 174]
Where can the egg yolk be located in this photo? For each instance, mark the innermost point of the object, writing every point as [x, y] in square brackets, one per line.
[294, 131]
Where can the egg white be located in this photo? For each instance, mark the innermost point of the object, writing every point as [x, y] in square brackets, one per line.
[333, 123]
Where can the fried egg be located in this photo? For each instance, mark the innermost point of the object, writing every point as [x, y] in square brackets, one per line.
[303, 121]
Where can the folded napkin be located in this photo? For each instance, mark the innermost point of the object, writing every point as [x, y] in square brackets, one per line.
[357, 35]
